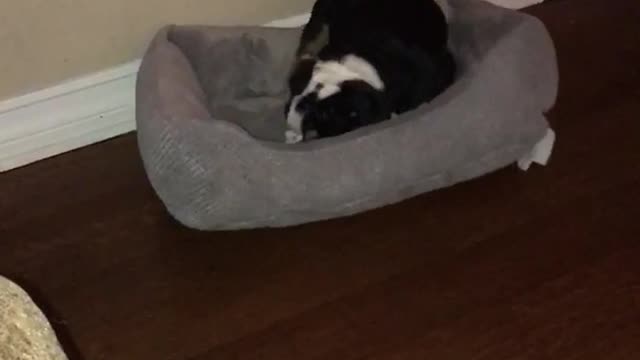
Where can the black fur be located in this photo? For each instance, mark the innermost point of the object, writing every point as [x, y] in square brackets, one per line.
[405, 40]
[356, 105]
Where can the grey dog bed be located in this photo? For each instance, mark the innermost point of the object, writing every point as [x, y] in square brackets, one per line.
[211, 125]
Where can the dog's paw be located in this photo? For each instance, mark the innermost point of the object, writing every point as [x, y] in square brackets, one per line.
[292, 137]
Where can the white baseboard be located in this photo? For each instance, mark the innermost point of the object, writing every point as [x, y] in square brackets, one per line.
[67, 116]
[86, 110]
[76, 113]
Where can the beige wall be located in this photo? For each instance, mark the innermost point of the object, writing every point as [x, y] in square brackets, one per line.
[48, 41]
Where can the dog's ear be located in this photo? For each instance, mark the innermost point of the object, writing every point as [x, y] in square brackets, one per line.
[368, 104]
[301, 75]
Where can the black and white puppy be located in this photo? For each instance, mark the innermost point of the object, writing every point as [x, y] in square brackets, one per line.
[360, 61]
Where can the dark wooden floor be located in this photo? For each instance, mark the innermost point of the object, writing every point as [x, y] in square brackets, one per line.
[538, 265]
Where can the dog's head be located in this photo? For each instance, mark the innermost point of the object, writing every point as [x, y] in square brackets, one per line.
[330, 98]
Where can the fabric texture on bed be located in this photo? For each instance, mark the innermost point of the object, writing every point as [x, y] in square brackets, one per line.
[210, 116]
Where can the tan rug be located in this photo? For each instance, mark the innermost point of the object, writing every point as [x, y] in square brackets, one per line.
[25, 333]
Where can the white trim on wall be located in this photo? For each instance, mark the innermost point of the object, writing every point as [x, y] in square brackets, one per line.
[76, 113]
[67, 116]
